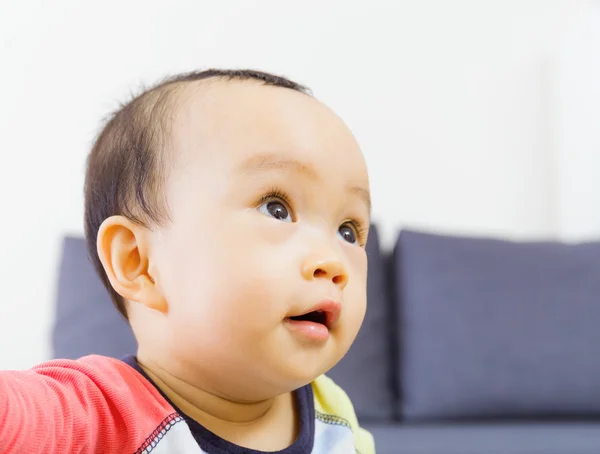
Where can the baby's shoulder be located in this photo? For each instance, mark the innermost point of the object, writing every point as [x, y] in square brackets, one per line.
[334, 407]
[115, 379]
[332, 400]
[101, 370]
[102, 404]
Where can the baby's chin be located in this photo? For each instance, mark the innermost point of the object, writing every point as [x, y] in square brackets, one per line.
[277, 376]
[299, 364]
[282, 383]
[307, 368]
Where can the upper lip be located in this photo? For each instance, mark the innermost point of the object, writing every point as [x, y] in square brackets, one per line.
[330, 307]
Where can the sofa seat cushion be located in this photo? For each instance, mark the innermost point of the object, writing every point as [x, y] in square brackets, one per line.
[497, 438]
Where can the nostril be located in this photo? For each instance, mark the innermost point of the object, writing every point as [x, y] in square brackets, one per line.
[339, 279]
[320, 273]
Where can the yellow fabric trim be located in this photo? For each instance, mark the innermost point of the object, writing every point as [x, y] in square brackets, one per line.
[332, 401]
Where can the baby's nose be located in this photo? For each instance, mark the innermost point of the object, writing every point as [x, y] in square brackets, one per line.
[319, 268]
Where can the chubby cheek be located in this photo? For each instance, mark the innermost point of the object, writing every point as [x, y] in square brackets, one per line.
[232, 287]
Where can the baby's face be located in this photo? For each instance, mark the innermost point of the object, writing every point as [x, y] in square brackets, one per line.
[269, 209]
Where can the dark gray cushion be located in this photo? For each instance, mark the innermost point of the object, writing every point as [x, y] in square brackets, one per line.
[514, 438]
[498, 329]
[365, 372]
[87, 322]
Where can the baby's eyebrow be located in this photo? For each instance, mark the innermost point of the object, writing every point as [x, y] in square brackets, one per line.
[265, 161]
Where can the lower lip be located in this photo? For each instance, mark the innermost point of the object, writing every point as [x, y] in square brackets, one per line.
[311, 330]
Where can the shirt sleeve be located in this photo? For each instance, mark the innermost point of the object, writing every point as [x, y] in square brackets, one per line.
[93, 405]
[332, 400]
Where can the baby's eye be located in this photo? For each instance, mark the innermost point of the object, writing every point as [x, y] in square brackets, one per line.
[347, 233]
[276, 209]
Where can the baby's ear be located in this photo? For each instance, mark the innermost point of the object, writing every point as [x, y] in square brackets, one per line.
[123, 250]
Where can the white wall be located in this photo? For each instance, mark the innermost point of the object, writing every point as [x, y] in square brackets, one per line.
[578, 126]
[451, 102]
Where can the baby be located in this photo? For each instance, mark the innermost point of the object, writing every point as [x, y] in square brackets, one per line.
[226, 212]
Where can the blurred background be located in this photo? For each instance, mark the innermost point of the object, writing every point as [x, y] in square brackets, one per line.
[476, 117]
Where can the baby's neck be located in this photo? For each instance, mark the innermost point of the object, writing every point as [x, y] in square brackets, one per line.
[241, 423]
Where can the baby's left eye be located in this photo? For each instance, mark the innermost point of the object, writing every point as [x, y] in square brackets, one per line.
[347, 233]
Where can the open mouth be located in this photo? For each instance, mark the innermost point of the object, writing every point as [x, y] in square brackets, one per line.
[314, 316]
[316, 323]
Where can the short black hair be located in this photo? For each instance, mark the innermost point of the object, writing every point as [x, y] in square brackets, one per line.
[127, 164]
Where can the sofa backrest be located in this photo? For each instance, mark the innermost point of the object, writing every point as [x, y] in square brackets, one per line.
[497, 329]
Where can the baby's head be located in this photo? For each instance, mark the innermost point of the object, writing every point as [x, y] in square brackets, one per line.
[227, 213]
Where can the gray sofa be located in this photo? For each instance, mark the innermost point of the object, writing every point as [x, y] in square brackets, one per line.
[469, 346]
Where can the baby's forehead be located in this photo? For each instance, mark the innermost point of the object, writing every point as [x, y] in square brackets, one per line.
[221, 114]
